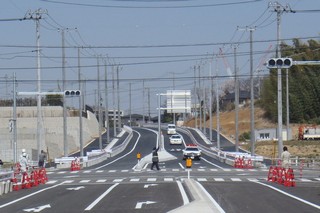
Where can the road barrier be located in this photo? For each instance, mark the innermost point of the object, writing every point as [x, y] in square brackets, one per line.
[241, 162]
[75, 165]
[280, 175]
[29, 178]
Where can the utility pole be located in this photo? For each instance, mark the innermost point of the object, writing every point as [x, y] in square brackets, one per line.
[279, 9]
[236, 97]
[65, 127]
[149, 115]
[252, 135]
[114, 105]
[14, 119]
[106, 101]
[210, 101]
[118, 99]
[143, 100]
[37, 15]
[99, 104]
[218, 106]
[80, 107]
[199, 97]
[130, 103]
[195, 98]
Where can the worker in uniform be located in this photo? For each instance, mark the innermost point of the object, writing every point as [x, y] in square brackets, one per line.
[42, 157]
[155, 158]
[24, 162]
[285, 158]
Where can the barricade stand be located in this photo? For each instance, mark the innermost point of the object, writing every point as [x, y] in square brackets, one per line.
[281, 176]
[289, 180]
[75, 165]
[25, 183]
[43, 178]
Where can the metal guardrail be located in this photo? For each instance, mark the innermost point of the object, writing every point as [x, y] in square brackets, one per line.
[5, 175]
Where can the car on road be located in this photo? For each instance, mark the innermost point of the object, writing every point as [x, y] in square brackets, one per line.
[191, 151]
[171, 129]
[175, 139]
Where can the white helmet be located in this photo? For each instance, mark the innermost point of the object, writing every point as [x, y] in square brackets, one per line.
[24, 154]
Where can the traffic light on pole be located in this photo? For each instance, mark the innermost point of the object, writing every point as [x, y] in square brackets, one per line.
[279, 63]
[72, 93]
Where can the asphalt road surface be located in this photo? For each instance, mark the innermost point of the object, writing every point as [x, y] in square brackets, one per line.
[115, 186]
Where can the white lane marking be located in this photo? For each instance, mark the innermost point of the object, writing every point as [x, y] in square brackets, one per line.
[112, 171]
[202, 179]
[211, 198]
[122, 155]
[168, 179]
[99, 171]
[125, 170]
[85, 181]
[183, 193]
[181, 165]
[74, 172]
[76, 188]
[38, 209]
[147, 185]
[304, 180]
[219, 179]
[290, 195]
[29, 195]
[51, 181]
[202, 158]
[87, 171]
[134, 179]
[101, 197]
[236, 179]
[151, 179]
[139, 204]
[253, 179]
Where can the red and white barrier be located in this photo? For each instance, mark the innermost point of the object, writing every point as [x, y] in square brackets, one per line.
[281, 175]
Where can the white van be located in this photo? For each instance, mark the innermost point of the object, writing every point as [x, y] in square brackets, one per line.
[171, 129]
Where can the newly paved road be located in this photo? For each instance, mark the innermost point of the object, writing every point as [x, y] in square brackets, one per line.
[114, 186]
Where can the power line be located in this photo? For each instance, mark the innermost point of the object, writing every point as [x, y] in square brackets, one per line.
[153, 7]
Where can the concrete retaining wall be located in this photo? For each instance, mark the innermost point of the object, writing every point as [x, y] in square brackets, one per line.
[52, 131]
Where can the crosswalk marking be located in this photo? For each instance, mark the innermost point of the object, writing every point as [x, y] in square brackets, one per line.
[111, 171]
[87, 171]
[125, 170]
[305, 180]
[102, 181]
[213, 170]
[171, 179]
[118, 180]
[99, 171]
[201, 170]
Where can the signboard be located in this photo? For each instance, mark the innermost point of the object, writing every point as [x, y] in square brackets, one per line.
[178, 101]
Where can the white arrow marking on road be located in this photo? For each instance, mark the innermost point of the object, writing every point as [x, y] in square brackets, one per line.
[76, 188]
[147, 185]
[139, 204]
[38, 209]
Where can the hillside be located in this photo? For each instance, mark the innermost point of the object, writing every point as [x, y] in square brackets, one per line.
[266, 148]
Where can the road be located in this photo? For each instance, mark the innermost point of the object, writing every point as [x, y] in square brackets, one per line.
[114, 185]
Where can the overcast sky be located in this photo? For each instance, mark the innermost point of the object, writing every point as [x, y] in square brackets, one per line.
[154, 42]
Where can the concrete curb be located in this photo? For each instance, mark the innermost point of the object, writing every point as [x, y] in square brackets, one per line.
[202, 201]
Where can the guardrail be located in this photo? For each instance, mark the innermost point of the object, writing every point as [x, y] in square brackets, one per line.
[225, 157]
[5, 181]
[96, 156]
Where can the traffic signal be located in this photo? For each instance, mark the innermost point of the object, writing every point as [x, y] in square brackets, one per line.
[279, 63]
[72, 93]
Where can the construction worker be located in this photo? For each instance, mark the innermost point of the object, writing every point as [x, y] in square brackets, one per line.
[24, 162]
[42, 157]
[285, 158]
[155, 158]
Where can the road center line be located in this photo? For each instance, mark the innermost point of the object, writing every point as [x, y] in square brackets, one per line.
[101, 197]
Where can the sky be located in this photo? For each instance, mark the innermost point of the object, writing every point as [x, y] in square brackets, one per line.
[154, 44]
